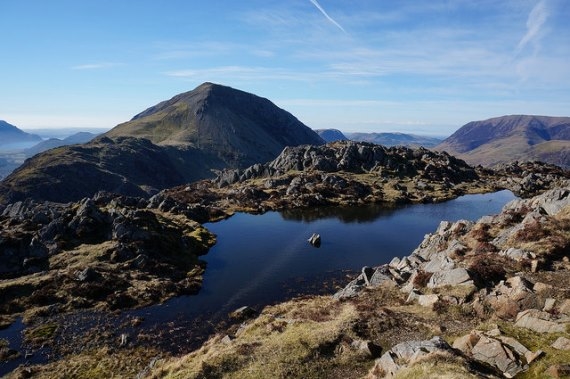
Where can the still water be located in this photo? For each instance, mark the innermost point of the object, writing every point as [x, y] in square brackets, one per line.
[263, 259]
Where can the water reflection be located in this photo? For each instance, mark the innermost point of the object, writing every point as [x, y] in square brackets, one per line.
[347, 214]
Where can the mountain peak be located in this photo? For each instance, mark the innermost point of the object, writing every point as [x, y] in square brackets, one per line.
[213, 117]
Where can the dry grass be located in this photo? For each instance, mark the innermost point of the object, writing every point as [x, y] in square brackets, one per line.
[301, 338]
[94, 364]
[437, 365]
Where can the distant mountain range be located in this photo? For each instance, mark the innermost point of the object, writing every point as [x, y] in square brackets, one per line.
[385, 139]
[512, 138]
[395, 139]
[12, 137]
[80, 137]
[177, 141]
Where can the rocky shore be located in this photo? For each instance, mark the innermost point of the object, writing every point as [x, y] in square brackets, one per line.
[476, 299]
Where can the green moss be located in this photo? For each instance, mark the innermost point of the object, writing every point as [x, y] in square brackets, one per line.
[40, 334]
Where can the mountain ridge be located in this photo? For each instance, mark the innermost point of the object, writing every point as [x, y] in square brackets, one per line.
[508, 138]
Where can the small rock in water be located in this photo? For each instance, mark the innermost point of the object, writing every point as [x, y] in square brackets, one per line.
[315, 240]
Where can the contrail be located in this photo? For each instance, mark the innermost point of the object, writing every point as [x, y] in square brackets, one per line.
[316, 4]
[536, 20]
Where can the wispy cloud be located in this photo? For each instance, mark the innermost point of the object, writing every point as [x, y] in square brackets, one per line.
[316, 4]
[96, 66]
[534, 26]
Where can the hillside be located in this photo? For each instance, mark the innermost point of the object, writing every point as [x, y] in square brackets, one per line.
[12, 137]
[395, 139]
[510, 138]
[175, 142]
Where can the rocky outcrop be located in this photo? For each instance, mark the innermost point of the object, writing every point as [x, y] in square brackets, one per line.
[492, 260]
[109, 251]
[358, 158]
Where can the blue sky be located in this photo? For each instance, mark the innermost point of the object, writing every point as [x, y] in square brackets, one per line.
[424, 67]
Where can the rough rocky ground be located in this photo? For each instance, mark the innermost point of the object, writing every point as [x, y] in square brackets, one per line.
[475, 299]
[107, 253]
[347, 173]
[113, 252]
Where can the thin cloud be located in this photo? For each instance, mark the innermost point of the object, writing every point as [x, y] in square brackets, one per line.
[534, 25]
[316, 4]
[95, 66]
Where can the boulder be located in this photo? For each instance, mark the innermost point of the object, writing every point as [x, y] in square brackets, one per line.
[351, 289]
[243, 313]
[439, 263]
[494, 353]
[315, 240]
[403, 353]
[382, 276]
[428, 300]
[541, 322]
[367, 347]
[511, 296]
[562, 343]
[454, 277]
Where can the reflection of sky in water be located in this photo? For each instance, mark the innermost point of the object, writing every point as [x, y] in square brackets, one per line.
[258, 256]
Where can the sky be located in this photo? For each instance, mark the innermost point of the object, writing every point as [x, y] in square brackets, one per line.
[423, 67]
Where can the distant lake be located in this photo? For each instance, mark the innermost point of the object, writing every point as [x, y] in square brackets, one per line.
[263, 259]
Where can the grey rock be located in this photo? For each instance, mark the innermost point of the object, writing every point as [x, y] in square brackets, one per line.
[439, 263]
[428, 300]
[400, 355]
[562, 343]
[351, 290]
[86, 275]
[315, 240]
[541, 322]
[494, 353]
[457, 276]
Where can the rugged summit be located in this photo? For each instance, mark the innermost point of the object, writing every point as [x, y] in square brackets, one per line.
[177, 141]
[509, 138]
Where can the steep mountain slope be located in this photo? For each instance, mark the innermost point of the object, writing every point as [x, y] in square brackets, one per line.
[175, 142]
[509, 138]
[239, 127]
[395, 139]
[11, 136]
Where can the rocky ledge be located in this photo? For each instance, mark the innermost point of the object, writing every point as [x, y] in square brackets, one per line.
[475, 299]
